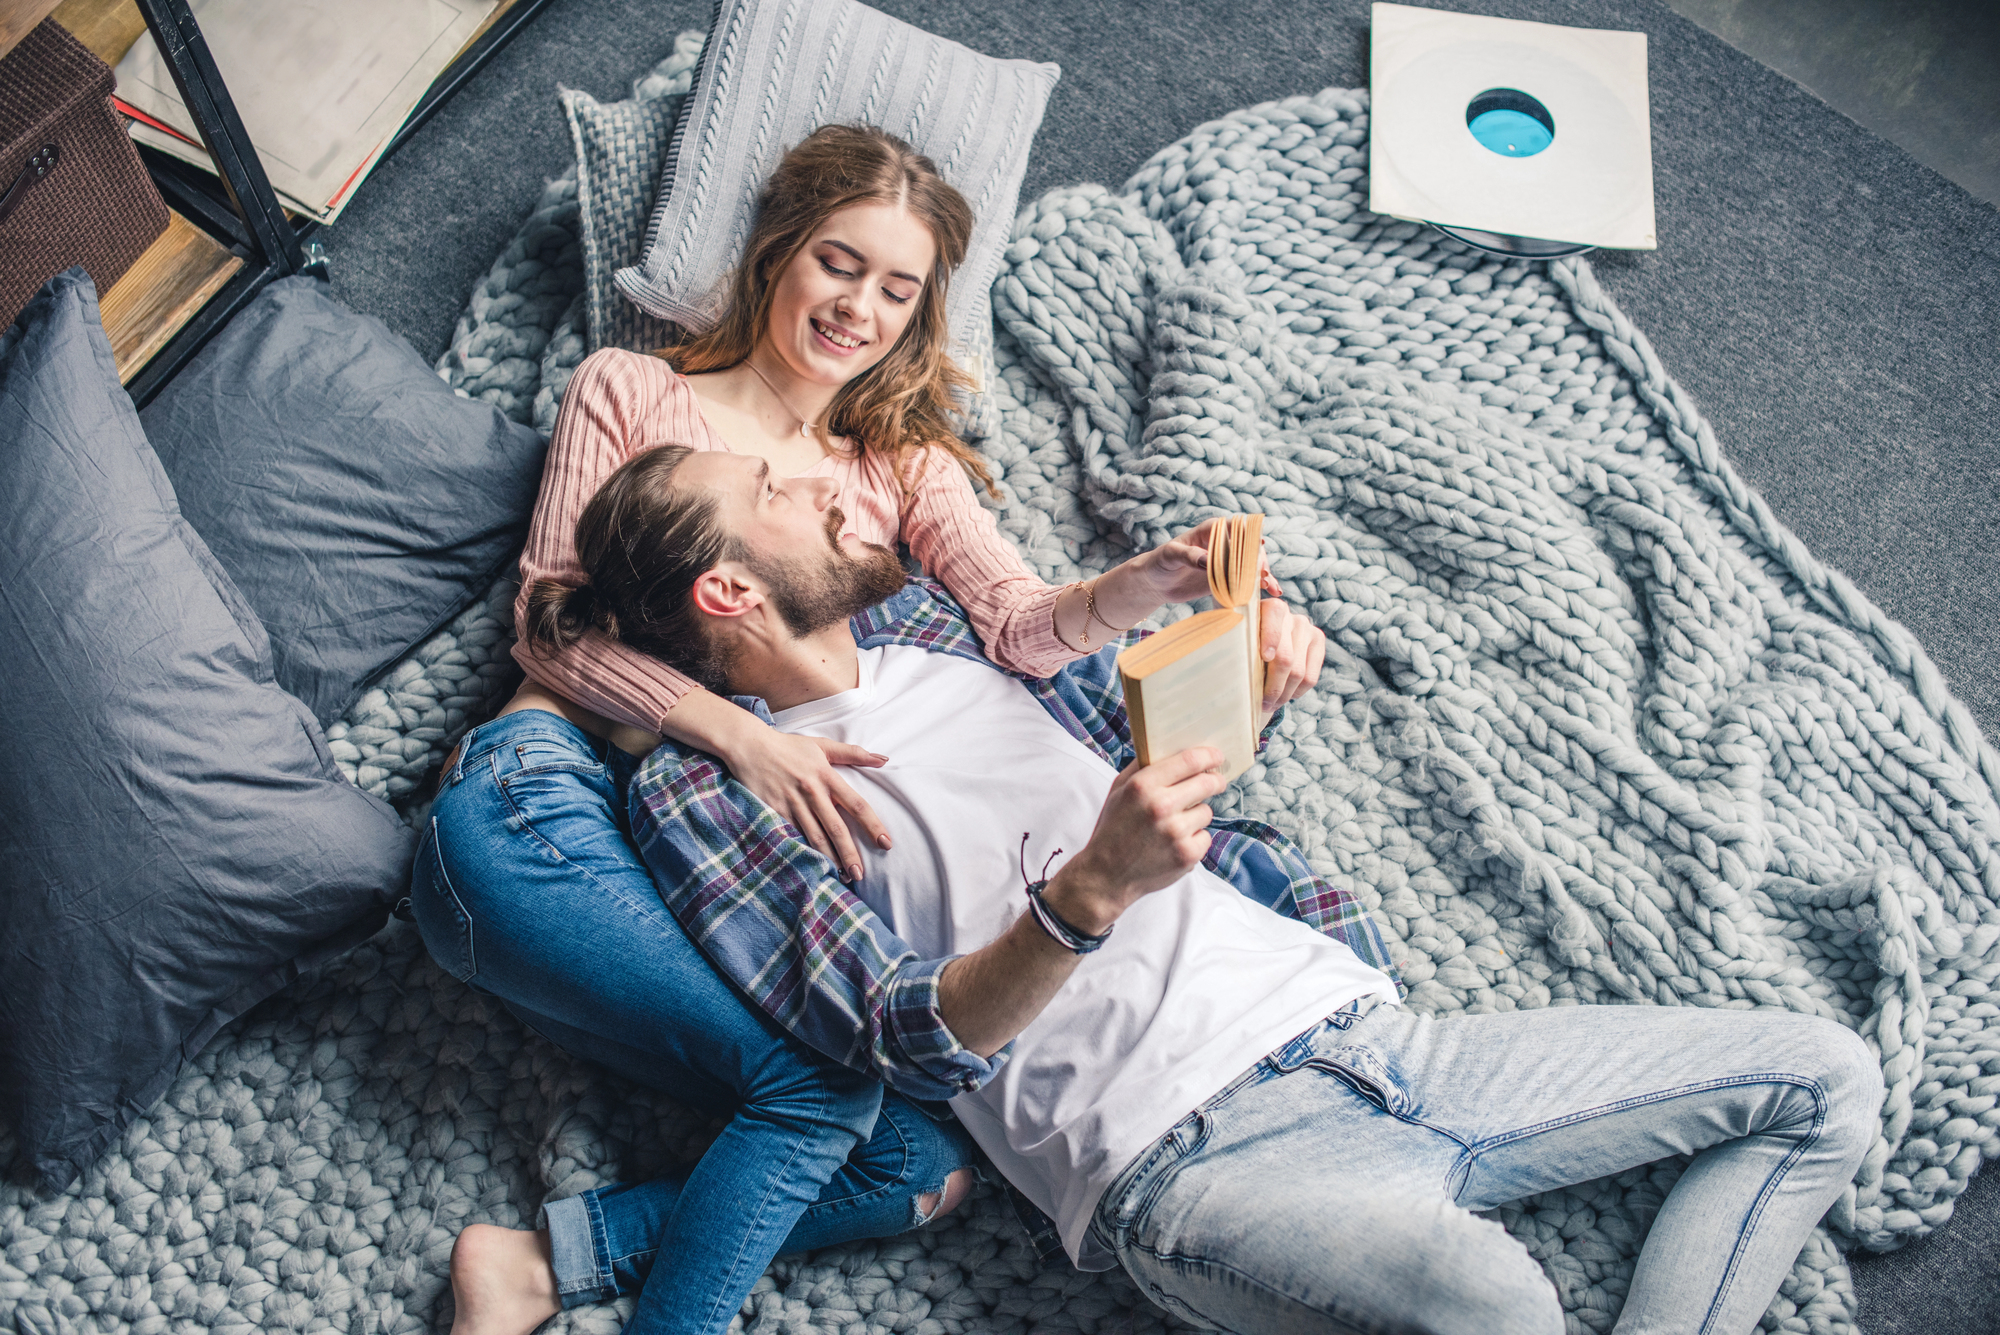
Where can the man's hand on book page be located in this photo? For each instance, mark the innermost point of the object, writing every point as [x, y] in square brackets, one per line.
[1294, 651]
[1151, 831]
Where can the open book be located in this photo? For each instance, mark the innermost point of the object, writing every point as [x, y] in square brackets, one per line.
[1200, 682]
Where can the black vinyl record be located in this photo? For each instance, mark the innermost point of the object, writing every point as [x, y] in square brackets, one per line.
[1513, 247]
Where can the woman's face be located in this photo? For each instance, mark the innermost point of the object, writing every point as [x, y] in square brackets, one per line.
[849, 293]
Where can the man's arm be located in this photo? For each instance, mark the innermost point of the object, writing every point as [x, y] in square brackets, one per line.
[769, 912]
[1151, 831]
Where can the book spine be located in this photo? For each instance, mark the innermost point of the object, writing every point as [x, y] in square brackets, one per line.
[1135, 715]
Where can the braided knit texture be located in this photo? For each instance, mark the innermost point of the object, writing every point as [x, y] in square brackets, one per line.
[1596, 728]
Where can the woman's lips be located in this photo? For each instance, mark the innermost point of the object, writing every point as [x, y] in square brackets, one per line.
[837, 349]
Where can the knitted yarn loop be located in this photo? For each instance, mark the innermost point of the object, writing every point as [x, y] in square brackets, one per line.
[1595, 728]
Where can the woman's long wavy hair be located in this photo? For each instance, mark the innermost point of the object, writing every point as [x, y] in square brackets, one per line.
[905, 401]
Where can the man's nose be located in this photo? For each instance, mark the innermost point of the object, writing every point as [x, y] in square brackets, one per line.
[825, 491]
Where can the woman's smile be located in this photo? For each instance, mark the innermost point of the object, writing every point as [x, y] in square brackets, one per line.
[835, 339]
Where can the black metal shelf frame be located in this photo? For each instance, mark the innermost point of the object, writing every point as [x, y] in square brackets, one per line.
[236, 204]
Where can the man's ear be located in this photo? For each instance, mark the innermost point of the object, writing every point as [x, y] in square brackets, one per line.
[725, 591]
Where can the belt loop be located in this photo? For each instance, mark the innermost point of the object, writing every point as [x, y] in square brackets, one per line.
[456, 759]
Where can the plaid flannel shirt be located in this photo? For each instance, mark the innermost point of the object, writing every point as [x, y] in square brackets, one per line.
[775, 919]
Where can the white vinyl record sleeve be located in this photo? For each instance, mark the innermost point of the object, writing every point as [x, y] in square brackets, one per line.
[1592, 184]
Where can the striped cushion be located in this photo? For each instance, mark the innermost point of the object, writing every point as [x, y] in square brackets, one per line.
[775, 70]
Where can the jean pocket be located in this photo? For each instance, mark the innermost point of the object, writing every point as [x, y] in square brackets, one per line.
[1362, 1069]
[539, 755]
[441, 918]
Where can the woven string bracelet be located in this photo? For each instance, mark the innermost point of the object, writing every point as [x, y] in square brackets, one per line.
[1072, 939]
[1075, 941]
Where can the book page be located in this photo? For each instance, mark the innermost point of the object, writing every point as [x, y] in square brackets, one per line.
[1253, 654]
[1202, 699]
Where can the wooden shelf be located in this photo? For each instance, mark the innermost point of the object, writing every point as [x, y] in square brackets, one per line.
[107, 27]
[187, 280]
[162, 291]
[18, 18]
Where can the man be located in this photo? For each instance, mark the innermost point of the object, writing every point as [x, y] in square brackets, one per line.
[1226, 1099]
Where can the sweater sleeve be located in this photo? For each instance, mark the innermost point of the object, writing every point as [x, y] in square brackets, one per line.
[961, 546]
[617, 405]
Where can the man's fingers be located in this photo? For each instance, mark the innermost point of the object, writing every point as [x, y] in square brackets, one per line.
[864, 815]
[1184, 765]
[1190, 822]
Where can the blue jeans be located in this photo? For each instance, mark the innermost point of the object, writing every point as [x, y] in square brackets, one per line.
[527, 885]
[1332, 1187]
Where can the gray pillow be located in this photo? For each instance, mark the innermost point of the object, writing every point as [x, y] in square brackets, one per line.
[175, 842]
[619, 149]
[772, 72]
[351, 495]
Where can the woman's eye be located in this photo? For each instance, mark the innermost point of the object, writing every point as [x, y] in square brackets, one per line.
[898, 298]
[837, 273]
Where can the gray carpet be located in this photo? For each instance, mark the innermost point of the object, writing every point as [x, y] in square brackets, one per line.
[1833, 305]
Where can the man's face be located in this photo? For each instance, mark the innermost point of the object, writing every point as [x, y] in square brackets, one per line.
[790, 529]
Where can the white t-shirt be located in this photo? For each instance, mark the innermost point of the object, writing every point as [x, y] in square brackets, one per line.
[1195, 985]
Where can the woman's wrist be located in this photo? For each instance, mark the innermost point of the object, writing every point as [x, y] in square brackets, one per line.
[704, 720]
[1126, 594]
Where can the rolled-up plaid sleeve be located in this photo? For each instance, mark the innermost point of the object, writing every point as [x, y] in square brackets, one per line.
[768, 911]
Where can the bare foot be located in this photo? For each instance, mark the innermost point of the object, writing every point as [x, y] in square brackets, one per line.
[502, 1281]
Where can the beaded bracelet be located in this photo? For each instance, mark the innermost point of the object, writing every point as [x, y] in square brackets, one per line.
[1072, 939]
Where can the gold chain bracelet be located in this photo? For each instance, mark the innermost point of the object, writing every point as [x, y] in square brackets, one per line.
[1090, 612]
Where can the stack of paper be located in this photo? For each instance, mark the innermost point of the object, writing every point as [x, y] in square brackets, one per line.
[322, 85]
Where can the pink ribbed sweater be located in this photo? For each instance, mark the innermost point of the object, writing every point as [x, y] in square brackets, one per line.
[619, 404]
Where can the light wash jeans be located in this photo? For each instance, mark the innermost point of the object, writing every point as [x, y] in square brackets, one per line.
[528, 886]
[1332, 1186]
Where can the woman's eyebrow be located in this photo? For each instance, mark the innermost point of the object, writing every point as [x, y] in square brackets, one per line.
[863, 260]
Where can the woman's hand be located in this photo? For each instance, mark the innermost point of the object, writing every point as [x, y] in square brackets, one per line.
[1176, 571]
[795, 777]
[1294, 651]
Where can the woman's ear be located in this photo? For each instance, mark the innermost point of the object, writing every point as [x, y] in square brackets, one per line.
[721, 591]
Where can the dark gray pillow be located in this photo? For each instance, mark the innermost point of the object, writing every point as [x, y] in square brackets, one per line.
[354, 498]
[175, 842]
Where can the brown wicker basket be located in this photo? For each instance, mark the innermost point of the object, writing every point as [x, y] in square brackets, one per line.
[96, 206]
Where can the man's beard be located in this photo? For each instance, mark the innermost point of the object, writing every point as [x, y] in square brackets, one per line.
[812, 595]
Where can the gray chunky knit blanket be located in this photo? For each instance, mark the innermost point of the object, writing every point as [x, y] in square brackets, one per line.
[1599, 730]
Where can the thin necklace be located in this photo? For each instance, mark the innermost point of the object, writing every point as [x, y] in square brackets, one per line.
[805, 427]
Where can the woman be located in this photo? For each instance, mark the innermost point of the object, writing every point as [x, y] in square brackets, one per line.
[830, 365]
